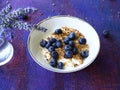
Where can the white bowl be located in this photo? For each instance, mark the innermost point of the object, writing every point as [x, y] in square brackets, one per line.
[56, 22]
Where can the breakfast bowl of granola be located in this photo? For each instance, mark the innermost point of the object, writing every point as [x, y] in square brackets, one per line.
[70, 44]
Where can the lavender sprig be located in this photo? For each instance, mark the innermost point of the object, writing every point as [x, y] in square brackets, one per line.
[29, 10]
[14, 20]
[20, 13]
[1, 31]
[22, 25]
[11, 18]
[40, 28]
[5, 10]
[16, 14]
[7, 21]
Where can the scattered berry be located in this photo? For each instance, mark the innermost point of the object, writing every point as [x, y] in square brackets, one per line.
[66, 40]
[68, 48]
[82, 41]
[72, 36]
[52, 40]
[58, 31]
[59, 43]
[53, 62]
[106, 33]
[54, 45]
[51, 48]
[60, 65]
[84, 54]
[75, 51]
[43, 43]
[71, 43]
[68, 54]
[48, 45]
[54, 54]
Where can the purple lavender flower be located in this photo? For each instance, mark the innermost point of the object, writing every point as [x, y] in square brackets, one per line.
[1, 31]
[5, 10]
[40, 28]
[21, 13]
[22, 25]
[14, 20]
[29, 10]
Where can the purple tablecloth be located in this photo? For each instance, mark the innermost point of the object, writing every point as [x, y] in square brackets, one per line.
[22, 73]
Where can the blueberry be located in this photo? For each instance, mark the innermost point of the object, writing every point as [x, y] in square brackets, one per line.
[59, 40]
[58, 31]
[54, 45]
[72, 36]
[68, 54]
[59, 43]
[51, 48]
[106, 33]
[43, 43]
[66, 40]
[75, 51]
[48, 45]
[52, 40]
[71, 43]
[84, 54]
[68, 48]
[82, 41]
[60, 65]
[54, 54]
[53, 62]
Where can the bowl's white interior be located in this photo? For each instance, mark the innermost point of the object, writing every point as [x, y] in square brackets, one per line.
[57, 22]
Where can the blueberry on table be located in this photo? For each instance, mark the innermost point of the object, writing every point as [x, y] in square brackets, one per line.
[68, 54]
[68, 48]
[71, 43]
[106, 33]
[72, 36]
[58, 31]
[59, 43]
[84, 54]
[53, 62]
[60, 65]
[43, 43]
[54, 54]
[52, 40]
[48, 45]
[75, 51]
[82, 41]
[51, 48]
[66, 40]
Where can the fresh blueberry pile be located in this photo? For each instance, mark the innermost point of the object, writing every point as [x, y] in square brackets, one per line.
[69, 47]
[52, 45]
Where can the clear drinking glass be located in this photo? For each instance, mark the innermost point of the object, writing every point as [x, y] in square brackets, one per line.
[6, 51]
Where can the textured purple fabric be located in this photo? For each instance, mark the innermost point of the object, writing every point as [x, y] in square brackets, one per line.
[22, 73]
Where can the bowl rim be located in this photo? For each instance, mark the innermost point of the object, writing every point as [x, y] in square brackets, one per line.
[62, 71]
